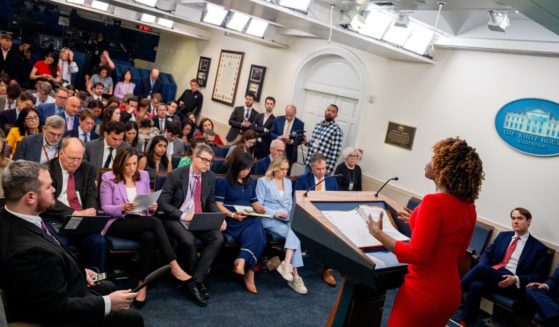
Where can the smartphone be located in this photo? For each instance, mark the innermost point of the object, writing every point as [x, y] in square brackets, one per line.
[99, 277]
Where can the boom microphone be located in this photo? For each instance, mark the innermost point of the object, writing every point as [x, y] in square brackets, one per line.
[383, 185]
[322, 180]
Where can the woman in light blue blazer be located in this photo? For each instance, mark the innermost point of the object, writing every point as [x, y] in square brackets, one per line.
[274, 192]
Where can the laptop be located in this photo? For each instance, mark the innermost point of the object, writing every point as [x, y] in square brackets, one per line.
[83, 225]
[206, 221]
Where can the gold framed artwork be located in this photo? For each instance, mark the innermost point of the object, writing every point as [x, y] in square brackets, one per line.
[227, 76]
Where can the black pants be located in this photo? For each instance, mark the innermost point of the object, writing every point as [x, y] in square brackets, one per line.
[213, 241]
[151, 235]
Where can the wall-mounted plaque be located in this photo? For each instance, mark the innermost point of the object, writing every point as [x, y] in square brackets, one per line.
[400, 135]
[203, 69]
[256, 81]
[227, 76]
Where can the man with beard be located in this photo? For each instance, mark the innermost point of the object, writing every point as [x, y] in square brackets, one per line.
[42, 280]
[327, 138]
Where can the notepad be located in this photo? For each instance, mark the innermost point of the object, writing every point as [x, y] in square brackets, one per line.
[249, 211]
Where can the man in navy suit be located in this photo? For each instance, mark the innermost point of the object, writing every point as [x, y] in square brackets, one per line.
[261, 126]
[149, 85]
[545, 298]
[44, 146]
[309, 181]
[160, 119]
[514, 260]
[70, 114]
[50, 109]
[241, 119]
[282, 128]
[9, 117]
[85, 130]
[277, 148]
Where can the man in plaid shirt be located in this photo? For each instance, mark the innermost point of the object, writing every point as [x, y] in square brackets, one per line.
[327, 138]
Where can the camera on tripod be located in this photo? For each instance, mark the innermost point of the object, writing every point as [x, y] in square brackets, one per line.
[298, 137]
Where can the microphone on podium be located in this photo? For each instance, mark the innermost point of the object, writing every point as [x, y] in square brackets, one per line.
[322, 180]
[383, 185]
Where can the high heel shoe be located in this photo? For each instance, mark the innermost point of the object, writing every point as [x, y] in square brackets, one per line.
[249, 283]
[238, 267]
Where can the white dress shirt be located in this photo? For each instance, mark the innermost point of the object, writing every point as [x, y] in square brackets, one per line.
[513, 261]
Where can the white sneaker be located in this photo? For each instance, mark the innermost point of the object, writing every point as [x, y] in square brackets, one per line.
[297, 285]
[286, 271]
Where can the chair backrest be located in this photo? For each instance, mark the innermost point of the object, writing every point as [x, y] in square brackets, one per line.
[221, 151]
[480, 238]
[160, 179]
[100, 172]
[413, 202]
[218, 166]
[175, 159]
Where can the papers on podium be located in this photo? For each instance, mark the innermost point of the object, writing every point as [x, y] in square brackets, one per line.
[353, 224]
[247, 210]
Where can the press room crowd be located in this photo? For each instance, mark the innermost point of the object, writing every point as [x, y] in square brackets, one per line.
[67, 152]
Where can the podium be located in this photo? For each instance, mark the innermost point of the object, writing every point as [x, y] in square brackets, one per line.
[360, 301]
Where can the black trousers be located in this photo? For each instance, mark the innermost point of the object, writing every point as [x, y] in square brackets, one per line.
[213, 241]
[151, 235]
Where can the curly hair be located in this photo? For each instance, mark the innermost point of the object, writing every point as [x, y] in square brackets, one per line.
[457, 167]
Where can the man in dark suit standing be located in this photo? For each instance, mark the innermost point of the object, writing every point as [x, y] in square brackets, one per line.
[85, 130]
[545, 298]
[149, 85]
[241, 118]
[58, 107]
[44, 146]
[511, 262]
[282, 128]
[190, 190]
[76, 194]
[101, 152]
[70, 113]
[261, 126]
[310, 181]
[11, 60]
[191, 101]
[43, 282]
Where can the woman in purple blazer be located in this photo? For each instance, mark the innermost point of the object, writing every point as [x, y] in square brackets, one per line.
[125, 86]
[119, 188]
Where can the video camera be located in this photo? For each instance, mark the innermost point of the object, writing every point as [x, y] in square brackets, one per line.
[298, 137]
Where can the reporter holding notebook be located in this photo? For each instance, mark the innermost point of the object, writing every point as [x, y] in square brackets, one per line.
[119, 188]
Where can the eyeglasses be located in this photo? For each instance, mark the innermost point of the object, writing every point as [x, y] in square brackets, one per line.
[31, 118]
[206, 160]
[62, 97]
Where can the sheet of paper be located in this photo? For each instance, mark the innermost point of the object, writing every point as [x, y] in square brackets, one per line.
[249, 211]
[387, 226]
[145, 200]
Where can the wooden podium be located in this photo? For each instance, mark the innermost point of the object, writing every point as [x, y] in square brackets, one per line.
[361, 298]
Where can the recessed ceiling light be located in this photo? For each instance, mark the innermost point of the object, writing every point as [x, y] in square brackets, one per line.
[257, 27]
[147, 18]
[301, 5]
[150, 3]
[237, 21]
[100, 5]
[78, 2]
[214, 14]
[165, 22]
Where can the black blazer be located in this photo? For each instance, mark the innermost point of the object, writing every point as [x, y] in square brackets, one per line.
[30, 148]
[156, 122]
[42, 281]
[145, 89]
[175, 190]
[94, 152]
[84, 177]
[75, 133]
[7, 117]
[235, 120]
[13, 65]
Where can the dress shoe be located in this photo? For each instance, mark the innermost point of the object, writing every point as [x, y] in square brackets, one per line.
[202, 288]
[238, 268]
[328, 277]
[249, 282]
[139, 304]
[194, 294]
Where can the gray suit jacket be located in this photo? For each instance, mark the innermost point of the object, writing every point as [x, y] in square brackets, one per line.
[94, 152]
[175, 190]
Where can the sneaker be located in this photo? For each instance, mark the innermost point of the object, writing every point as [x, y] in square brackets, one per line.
[297, 285]
[286, 271]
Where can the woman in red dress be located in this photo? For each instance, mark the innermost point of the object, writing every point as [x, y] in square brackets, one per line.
[442, 226]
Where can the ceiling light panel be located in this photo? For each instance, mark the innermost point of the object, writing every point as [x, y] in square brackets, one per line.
[301, 5]
[420, 38]
[100, 5]
[376, 24]
[147, 18]
[77, 2]
[257, 27]
[150, 3]
[397, 35]
[165, 22]
[237, 21]
[214, 14]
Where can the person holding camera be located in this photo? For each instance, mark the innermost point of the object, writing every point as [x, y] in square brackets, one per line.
[206, 130]
[289, 130]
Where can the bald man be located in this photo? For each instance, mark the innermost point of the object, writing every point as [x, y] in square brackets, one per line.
[283, 128]
[70, 113]
[277, 148]
[149, 85]
[76, 195]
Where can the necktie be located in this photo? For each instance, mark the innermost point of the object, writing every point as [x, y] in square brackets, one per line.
[71, 193]
[508, 254]
[197, 195]
[109, 159]
[247, 114]
[320, 187]
[60, 110]
[45, 229]
[70, 123]
[85, 138]
[162, 124]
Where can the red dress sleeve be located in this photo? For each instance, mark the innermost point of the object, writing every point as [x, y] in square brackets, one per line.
[426, 226]
[217, 140]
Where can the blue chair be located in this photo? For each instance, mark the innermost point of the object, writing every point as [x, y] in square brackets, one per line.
[175, 159]
[221, 151]
[160, 179]
[121, 245]
[478, 243]
[218, 166]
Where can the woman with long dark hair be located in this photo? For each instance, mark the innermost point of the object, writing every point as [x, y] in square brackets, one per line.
[46, 69]
[156, 159]
[239, 189]
[118, 190]
[131, 135]
[27, 124]
[125, 86]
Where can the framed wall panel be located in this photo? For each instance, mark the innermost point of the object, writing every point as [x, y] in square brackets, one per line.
[227, 76]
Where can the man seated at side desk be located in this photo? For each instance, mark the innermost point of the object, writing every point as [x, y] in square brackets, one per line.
[76, 194]
[545, 298]
[511, 262]
[310, 181]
